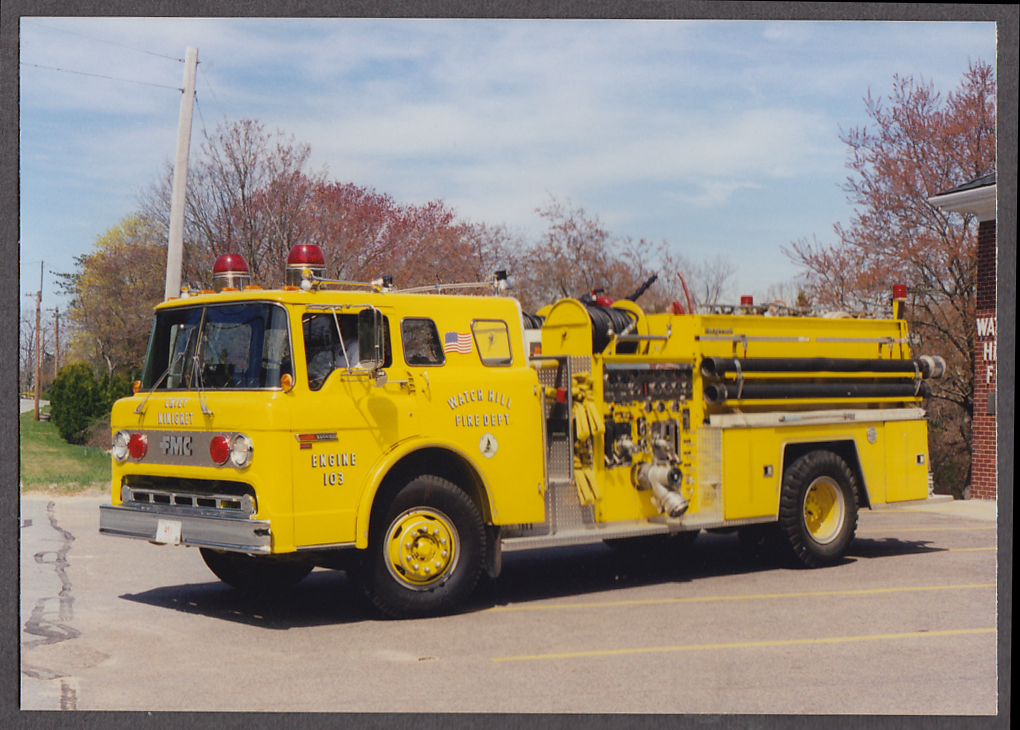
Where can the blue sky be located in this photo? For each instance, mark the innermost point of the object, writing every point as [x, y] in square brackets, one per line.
[720, 137]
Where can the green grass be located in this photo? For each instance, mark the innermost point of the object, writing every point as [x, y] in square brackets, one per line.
[51, 464]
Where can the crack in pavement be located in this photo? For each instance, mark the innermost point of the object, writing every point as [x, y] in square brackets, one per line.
[68, 696]
[40, 623]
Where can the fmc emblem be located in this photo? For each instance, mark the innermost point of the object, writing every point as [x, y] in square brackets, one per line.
[176, 445]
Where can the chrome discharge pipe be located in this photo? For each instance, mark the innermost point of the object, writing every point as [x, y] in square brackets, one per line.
[662, 480]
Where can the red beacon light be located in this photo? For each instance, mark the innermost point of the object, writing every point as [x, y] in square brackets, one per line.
[304, 256]
[899, 300]
[230, 272]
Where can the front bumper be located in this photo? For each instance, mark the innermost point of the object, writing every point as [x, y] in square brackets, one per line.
[223, 533]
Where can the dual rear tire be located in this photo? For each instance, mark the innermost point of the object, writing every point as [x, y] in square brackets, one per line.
[818, 508]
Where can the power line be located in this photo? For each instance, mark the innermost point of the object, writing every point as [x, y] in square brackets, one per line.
[201, 118]
[211, 92]
[100, 40]
[100, 76]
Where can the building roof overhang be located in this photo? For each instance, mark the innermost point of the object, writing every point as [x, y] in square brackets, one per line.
[976, 197]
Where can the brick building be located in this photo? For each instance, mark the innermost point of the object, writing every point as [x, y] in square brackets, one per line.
[977, 198]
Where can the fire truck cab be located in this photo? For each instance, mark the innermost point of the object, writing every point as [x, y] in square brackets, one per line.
[409, 437]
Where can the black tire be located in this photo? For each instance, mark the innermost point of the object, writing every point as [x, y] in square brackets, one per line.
[818, 508]
[427, 551]
[256, 573]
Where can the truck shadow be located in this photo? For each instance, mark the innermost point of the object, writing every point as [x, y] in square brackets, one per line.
[324, 597]
[889, 547]
[593, 569]
[328, 597]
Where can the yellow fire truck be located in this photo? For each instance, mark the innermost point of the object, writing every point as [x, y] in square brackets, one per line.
[409, 437]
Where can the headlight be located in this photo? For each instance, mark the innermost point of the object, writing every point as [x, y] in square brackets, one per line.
[120, 445]
[241, 450]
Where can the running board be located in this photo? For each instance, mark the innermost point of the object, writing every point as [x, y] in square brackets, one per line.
[595, 533]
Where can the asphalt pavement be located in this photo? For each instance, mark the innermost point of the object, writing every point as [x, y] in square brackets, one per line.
[906, 625]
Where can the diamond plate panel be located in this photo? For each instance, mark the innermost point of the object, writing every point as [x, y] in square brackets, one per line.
[709, 473]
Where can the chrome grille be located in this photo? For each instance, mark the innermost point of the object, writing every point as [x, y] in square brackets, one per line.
[189, 502]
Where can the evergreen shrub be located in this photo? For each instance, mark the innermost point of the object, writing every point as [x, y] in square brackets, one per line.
[77, 400]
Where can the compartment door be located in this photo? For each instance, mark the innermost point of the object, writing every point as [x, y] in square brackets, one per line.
[906, 460]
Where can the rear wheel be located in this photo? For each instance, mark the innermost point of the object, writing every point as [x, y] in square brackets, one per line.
[818, 508]
[427, 552]
[255, 573]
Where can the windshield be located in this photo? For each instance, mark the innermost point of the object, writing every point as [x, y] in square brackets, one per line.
[238, 346]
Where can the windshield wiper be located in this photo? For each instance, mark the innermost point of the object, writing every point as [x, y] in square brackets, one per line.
[140, 410]
[196, 370]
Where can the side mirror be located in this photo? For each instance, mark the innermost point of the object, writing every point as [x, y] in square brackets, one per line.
[371, 350]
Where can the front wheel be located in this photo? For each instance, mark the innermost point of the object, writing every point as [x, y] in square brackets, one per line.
[427, 552]
[818, 508]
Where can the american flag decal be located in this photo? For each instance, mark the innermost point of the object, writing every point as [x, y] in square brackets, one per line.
[457, 342]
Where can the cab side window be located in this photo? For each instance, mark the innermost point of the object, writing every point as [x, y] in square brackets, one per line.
[421, 342]
[328, 349]
[493, 342]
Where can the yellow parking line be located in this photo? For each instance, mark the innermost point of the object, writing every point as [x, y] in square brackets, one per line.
[745, 597]
[928, 529]
[968, 550]
[744, 645]
[891, 509]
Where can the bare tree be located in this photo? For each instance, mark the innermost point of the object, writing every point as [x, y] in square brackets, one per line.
[27, 348]
[247, 193]
[708, 281]
[576, 255]
[919, 145]
[366, 234]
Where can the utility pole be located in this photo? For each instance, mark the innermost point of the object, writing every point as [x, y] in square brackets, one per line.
[38, 340]
[56, 341]
[175, 243]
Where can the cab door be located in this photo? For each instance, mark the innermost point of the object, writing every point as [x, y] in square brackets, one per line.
[344, 423]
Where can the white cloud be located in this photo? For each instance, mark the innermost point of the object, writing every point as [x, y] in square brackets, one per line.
[714, 193]
[623, 117]
[797, 32]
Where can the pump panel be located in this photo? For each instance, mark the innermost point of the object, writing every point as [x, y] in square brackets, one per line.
[661, 383]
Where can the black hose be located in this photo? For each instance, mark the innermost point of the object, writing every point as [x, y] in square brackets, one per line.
[643, 288]
[717, 366]
[532, 321]
[604, 319]
[718, 393]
